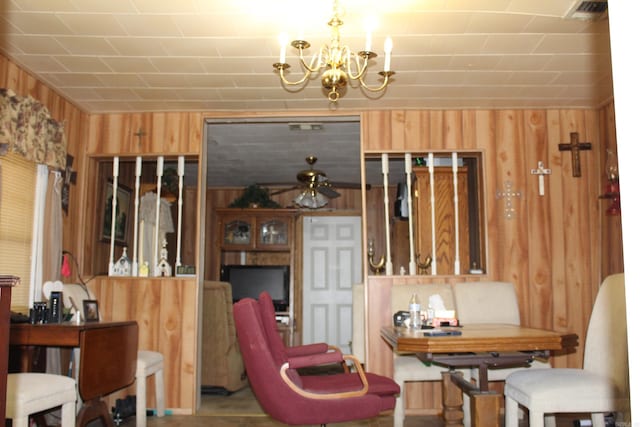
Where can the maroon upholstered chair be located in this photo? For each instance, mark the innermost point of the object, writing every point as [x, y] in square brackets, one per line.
[298, 400]
[377, 384]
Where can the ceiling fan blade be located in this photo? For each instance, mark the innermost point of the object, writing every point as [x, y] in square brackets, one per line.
[352, 185]
[283, 190]
[328, 191]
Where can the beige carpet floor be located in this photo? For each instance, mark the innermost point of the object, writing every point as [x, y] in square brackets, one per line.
[241, 403]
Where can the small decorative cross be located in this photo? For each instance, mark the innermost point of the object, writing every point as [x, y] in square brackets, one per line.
[541, 172]
[575, 147]
[508, 194]
[139, 135]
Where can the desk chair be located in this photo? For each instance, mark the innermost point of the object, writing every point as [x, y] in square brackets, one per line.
[489, 302]
[602, 386]
[408, 367]
[30, 393]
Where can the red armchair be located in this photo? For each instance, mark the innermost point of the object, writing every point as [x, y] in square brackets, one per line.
[296, 399]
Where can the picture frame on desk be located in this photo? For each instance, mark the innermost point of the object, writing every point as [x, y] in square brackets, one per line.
[123, 213]
[90, 310]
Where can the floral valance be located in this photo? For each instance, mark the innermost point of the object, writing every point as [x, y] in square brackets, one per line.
[26, 128]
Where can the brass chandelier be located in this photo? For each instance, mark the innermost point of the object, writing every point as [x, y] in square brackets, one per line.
[340, 63]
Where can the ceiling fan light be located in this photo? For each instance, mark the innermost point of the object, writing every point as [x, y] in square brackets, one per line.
[310, 199]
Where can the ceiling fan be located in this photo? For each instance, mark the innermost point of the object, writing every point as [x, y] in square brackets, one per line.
[316, 187]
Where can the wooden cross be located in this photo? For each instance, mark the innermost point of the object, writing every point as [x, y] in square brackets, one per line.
[541, 172]
[139, 135]
[575, 147]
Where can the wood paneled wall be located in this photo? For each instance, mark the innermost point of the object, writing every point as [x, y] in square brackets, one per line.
[167, 322]
[556, 250]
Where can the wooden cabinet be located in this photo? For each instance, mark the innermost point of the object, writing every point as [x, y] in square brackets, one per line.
[260, 230]
[447, 226]
[259, 237]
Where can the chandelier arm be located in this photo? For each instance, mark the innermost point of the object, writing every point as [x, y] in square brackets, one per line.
[310, 67]
[288, 83]
[383, 85]
[361, 68]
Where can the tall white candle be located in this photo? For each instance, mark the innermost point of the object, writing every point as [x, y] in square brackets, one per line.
[138, 166]
[388, 45]
[283, 47]
[181, 166]
[160, 166]
[116, 166]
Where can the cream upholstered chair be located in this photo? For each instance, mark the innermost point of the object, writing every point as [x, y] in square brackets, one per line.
[148, 362]
[602, 386]
[30, 393]
[408, 367]
[489, 302]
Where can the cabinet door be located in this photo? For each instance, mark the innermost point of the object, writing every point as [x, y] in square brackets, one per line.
[273, 233]
[238, 233]
[442, 234]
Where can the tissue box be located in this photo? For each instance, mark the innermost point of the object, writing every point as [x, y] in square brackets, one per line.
[444, 317]
[444, 321]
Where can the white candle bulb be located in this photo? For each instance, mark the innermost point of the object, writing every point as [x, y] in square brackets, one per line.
[388, 45]
[138, 166]
[367, 46]
[283, 47]
[116, 164]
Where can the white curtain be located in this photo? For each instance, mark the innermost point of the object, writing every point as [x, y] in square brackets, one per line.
[37, 247]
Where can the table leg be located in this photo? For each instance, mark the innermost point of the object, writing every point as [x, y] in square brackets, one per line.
[485, 409]
[451, 399]
[93, 410]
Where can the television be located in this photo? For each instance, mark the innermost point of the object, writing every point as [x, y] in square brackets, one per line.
[248, 281]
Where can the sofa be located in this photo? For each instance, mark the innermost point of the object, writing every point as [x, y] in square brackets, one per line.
[222, 366]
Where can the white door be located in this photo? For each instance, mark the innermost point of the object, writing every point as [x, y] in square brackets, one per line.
[332, 263]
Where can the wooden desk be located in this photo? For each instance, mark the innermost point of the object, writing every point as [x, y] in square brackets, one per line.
[108, 354]
[5, 313]
[482, 346]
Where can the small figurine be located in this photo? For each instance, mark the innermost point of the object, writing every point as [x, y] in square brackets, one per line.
[163, 268]
[122, 267]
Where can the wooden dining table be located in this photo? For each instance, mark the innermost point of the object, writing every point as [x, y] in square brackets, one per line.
[108, 357]
[481, 346]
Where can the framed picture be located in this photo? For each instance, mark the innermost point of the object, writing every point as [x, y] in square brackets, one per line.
[90, 309]
[123, 211]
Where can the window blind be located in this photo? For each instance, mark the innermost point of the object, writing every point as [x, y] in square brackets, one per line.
[17, 186]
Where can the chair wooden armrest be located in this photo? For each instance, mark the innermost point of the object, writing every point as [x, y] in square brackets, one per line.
[326, 396]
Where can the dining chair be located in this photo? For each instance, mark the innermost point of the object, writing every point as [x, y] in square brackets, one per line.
[489, 302]
[600, 387]
[30, 393]
[407, 367]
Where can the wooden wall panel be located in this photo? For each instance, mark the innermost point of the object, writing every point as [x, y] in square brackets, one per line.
[169, 328]
[549, 249]
[162, 134]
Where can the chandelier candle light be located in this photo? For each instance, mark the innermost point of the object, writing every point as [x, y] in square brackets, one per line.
[338, 60]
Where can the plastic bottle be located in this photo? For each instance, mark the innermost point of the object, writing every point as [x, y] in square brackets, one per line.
[415, 321]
